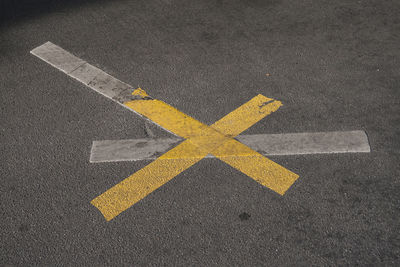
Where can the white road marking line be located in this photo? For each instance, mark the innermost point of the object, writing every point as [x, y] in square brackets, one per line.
[131, 149]
[57, 57]
[87, 74]
[308, 143]
[120, 92]
[266, 144]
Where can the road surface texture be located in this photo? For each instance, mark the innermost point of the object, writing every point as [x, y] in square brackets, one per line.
[335, 66]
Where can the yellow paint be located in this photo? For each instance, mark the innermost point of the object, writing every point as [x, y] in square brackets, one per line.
[256, 166]
[134, 188]
[200, 141]
[246, 116]
[140, 92]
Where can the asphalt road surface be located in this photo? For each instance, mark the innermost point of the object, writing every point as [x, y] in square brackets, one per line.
[335, 65]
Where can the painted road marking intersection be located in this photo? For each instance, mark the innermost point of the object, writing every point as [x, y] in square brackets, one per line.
[200, 141]
[200, 138]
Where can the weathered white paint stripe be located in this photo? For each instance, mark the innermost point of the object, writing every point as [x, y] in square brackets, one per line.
[131, 149]
[87, 74]
[57, 57]
[120, 92]
[308, 143]
[266, 144]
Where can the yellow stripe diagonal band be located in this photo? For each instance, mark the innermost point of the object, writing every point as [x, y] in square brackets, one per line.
[201, 140]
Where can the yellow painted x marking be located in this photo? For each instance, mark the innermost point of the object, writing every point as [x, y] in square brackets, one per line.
[201, 140]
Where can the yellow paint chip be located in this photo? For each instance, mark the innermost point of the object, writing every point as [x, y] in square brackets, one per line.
[140, 92]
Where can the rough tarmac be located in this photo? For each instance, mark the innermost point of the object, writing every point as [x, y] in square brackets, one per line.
[335, 65]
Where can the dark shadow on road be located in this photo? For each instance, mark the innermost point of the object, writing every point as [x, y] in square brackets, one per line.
[12, 11]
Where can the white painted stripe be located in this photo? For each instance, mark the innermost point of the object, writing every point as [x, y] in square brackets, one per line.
[57, 57]
[308, 143]
[130, 149]
[266, 144]
[87, 74]
[120, 92]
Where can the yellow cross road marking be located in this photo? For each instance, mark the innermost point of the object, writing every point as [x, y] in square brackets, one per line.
[201, 140]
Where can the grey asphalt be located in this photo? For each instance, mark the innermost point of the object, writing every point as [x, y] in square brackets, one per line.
[335, 65]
